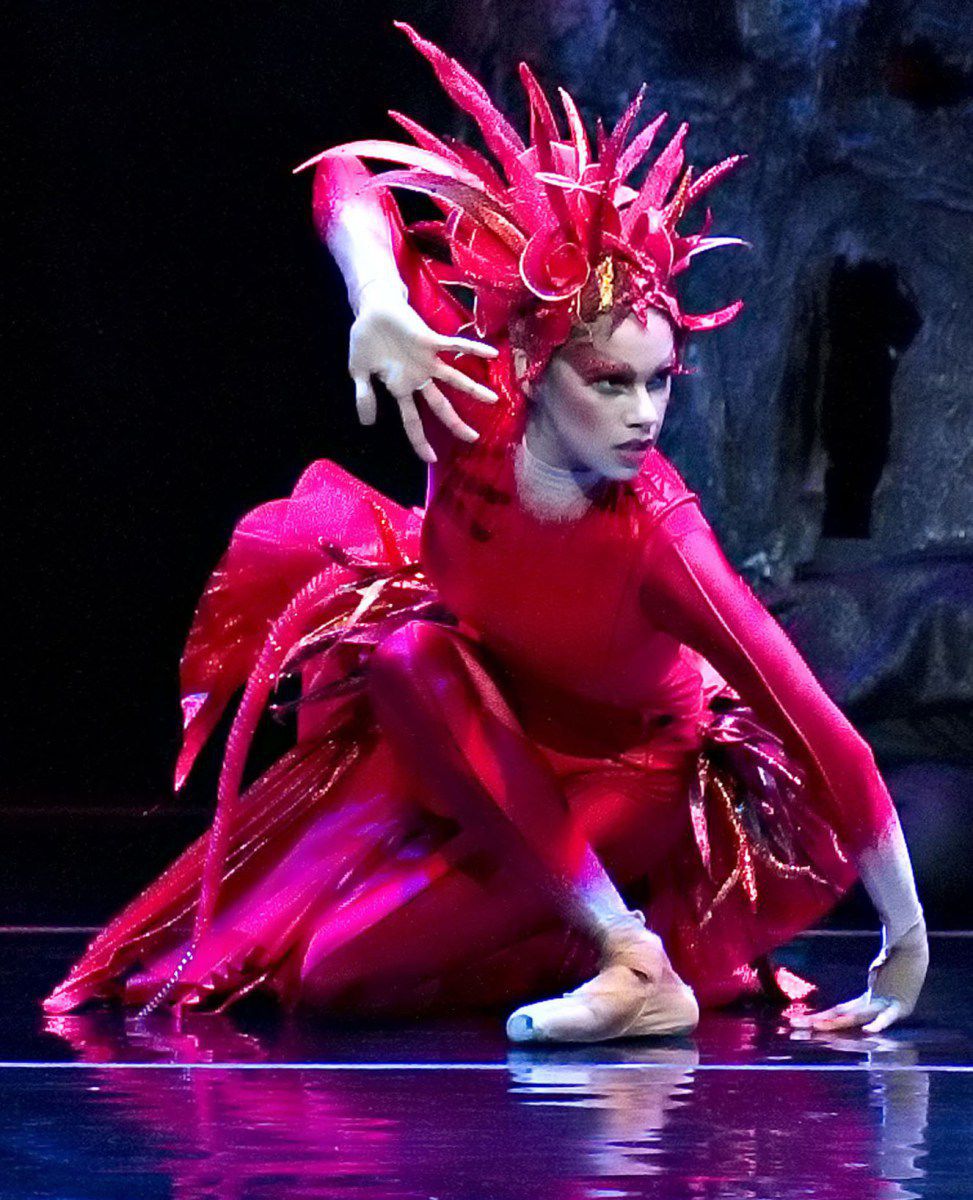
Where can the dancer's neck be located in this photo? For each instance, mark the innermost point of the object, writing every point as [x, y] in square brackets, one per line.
[553, 492]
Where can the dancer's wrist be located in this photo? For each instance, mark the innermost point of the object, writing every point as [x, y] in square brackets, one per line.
[899, 970]
[379, 292]
[913, 936]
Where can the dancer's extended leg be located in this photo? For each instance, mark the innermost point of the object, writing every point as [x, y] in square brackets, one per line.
[452, 727]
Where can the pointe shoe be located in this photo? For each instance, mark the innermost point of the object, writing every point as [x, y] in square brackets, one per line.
[635, 994]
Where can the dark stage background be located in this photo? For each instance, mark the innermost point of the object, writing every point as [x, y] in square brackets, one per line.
[179, 346]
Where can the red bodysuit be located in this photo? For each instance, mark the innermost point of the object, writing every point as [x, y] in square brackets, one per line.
[486, 692]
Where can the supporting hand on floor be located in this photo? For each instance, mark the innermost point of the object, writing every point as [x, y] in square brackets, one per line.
[895, 980]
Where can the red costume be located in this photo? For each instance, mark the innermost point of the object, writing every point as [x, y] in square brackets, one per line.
[487, 695]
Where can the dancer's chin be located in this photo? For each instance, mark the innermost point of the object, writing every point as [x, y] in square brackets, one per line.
[622, 470]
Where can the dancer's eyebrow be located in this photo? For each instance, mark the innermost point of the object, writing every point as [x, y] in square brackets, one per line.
[607, 368]
[589, 363]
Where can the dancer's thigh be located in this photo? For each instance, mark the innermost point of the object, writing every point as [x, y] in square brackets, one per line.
[445, 698]
[446, 716]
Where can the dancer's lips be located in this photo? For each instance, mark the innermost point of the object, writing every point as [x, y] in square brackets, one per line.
[633, 452]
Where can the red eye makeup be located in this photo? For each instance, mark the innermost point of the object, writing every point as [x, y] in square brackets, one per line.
[595, 368]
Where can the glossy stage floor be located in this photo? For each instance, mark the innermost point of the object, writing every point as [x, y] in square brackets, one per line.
[259, 1107]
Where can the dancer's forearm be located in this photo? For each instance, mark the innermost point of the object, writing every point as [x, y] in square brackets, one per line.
[886, 873]
[360, 245]
[355, 229]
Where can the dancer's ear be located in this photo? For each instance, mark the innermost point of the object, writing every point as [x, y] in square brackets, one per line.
[520, 370]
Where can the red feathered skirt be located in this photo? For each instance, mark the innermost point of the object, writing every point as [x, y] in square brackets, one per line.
[396, 860]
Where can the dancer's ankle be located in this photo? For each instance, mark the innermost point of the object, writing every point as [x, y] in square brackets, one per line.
[603, 927]
[627, 942]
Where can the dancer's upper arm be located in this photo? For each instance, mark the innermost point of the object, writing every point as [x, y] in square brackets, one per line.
[692, 592]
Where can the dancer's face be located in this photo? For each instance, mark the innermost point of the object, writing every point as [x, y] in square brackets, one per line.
[602, 392]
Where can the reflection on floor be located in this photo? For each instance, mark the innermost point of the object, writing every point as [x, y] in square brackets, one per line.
[257, 1107]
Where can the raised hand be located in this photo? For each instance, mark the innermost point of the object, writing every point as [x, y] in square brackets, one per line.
[895, 979]
[391, 342]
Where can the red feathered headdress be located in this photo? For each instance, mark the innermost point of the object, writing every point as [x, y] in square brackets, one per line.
[556, 236]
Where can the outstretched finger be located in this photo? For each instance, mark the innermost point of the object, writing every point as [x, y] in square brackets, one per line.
[447, 414]
[365, 400]
[855, 1014]
[467, 346]
[446, 373]
[849, 1020]
[414, 430]
[888, 1016]
[838, 1011]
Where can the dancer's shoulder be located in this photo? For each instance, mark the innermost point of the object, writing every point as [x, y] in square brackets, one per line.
[661, 489]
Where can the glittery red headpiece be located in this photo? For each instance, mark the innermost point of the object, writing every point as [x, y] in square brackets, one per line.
[558, 237]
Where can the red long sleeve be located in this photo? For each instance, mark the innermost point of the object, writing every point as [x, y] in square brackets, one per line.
[691, 592]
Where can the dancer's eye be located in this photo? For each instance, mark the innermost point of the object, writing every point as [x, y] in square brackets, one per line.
[611, 384]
